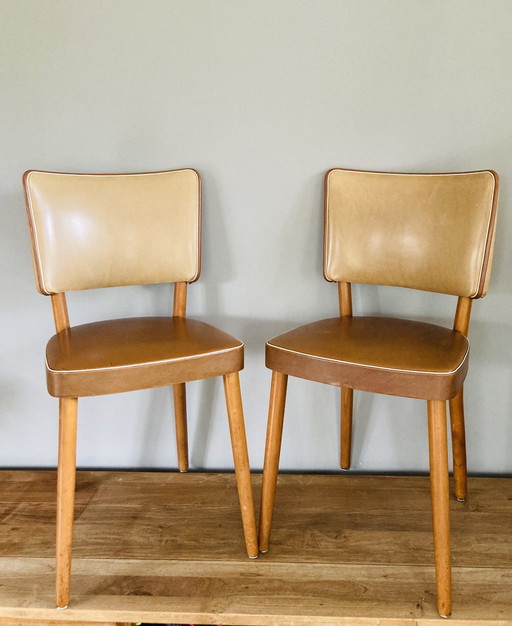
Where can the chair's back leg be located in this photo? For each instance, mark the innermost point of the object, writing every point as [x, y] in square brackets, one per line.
[461, 325]
[241, 461]
[179, 392]
[180, 417]
[272, 452]
[66, 474]
[347, 398]
[347, 395]
[438, 449]
[459, 446]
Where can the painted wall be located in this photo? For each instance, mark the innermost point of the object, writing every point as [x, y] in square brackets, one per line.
[262, 98]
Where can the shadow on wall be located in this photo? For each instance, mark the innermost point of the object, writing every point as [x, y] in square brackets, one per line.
[254, 336]
[216, 258]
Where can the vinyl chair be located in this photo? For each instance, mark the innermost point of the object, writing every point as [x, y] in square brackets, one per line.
[91, 231]
[433, 232]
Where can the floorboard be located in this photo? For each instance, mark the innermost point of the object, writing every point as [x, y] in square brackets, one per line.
[163, 548]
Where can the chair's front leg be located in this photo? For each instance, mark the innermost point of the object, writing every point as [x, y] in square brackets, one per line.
[460, 476]
[180, 417]
[66, 475]
[272, 452]
[438, 449]
[347, 398]
[241, 460]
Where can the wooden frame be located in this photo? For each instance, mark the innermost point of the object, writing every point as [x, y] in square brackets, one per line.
[68, 409]
[437, 448]
[328, 350]
[165, 350]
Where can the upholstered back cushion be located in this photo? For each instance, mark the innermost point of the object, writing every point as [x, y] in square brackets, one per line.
[425, 231]
[92, 230]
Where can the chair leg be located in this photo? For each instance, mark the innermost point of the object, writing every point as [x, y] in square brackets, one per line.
[272, 452]
[241, 460]
[66, 474]
[438, 449]
[180, 416]
[347, 395]
[460, 476]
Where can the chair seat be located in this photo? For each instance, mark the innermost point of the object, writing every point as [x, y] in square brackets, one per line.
[377, 354]
[137, 353]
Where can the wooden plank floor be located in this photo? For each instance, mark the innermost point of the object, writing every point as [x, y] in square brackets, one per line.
[166, 547]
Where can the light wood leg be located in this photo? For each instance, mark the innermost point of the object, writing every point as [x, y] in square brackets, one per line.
[241, 460]
[438, 449]
[272, 452]
[180, 416]
[347, 395]
[66, 473]
[460, 475]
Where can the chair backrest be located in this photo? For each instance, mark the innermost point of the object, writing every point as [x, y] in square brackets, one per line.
[106, 230]
[433, 232]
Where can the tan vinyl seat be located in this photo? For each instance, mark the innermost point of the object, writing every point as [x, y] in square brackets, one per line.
[94, 230]
[137, 353]
[420, 360]
[433, 232]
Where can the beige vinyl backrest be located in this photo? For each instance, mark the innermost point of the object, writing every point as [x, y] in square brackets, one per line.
[433, 232]
[106, 230]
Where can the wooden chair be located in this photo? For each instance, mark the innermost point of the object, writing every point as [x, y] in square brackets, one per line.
[90, 231]
[432, 232]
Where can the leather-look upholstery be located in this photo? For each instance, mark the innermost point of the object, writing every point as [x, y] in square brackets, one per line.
[433, 232]
[376, 354]
[137, 353]
[92, 230]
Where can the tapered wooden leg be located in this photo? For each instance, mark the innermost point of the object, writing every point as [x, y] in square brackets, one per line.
[241, 459]
[66, 474]
[438, 449]
[460, 475]
[272, 452]
[180, 416]
[347, 396]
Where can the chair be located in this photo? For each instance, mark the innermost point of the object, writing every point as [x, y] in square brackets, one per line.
[91, 231]
[433, 232]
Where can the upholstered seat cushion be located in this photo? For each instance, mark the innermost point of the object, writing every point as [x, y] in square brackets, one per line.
[137, 353]
[377, 354]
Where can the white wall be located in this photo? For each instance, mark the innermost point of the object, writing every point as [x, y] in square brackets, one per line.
[262, 98]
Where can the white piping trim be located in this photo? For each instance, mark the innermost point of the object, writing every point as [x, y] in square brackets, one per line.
[118, 367]
[377, 367]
